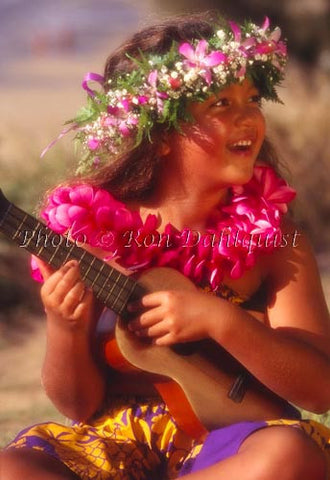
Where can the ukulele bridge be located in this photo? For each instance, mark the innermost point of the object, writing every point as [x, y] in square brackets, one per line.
[239, 388]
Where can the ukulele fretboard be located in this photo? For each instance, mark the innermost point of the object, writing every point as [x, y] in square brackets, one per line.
[110, 286]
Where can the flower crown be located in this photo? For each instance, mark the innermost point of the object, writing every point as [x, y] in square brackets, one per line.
[158, 89]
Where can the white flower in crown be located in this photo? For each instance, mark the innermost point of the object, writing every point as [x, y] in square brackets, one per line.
[221, 34]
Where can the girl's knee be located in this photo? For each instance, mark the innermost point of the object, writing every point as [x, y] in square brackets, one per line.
[286, 453]
[16, 463]
[9, 464]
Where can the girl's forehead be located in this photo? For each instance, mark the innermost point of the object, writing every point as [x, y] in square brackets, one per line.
[245, 87]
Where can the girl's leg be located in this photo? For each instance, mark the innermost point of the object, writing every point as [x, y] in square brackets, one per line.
[272, 453]
[29, 464]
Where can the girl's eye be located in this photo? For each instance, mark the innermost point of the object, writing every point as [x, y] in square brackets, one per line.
[221, 102]
[256, 99]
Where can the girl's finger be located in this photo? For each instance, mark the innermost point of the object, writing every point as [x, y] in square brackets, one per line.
[62, 280]
[147, 319]
[164, 340]
[73, 298]
[158, 330]
[83, 306]
[45, 269]
[150, 300]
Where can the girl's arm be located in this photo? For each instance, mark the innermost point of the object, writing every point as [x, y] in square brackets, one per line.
[296, 350]
[293, 356]
[71, 376]
[290, 355]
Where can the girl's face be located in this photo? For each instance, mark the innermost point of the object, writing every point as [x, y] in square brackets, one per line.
[221, 146]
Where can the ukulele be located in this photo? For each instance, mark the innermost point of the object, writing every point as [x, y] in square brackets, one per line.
[203, 386]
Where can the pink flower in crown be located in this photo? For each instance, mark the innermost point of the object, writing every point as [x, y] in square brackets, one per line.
[121, 117]
[142, 99]
[275, 34]
[159, 96]
[125, 126]
[93, 143]
[244, 48]
[124, 104]
[114, 111]
[175, 83]
[198, 58]
[271, 44]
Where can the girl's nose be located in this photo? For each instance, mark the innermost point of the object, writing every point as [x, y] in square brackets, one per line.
[246, 116]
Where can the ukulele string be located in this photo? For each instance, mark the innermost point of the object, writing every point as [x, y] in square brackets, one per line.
[45, 236]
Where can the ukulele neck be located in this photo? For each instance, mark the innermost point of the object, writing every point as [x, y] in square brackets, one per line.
[110, 286]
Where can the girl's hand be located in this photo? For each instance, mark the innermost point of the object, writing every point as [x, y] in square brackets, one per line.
[175, 316]
[67, 301]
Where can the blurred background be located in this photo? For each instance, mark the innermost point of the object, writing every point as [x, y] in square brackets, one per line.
[46, 47]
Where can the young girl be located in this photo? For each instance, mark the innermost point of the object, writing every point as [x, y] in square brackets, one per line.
[176, 151]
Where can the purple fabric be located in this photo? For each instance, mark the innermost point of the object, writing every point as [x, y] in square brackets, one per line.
[221, 444]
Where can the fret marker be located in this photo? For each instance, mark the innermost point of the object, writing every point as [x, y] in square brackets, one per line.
[19, 228]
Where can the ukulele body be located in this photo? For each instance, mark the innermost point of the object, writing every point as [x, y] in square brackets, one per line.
[194, 379]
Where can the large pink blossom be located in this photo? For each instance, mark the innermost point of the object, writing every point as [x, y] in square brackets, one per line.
[88, 213]
[198, 58]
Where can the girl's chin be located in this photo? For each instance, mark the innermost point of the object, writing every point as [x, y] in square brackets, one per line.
[242, 174]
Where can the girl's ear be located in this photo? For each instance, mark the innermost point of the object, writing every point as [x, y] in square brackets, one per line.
[164, 147]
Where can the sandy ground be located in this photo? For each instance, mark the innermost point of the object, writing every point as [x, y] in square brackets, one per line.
[22, 346]
[22, 399]
[44, 94]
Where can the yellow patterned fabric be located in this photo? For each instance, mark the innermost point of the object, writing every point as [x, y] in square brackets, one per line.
[128, 442]
[133, 442]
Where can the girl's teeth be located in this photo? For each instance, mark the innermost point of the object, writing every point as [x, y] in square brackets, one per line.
[243, 143]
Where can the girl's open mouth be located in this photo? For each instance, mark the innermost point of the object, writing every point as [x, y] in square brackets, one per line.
[241, 146]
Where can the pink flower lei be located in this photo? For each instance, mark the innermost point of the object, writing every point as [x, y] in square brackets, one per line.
[249, 226]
